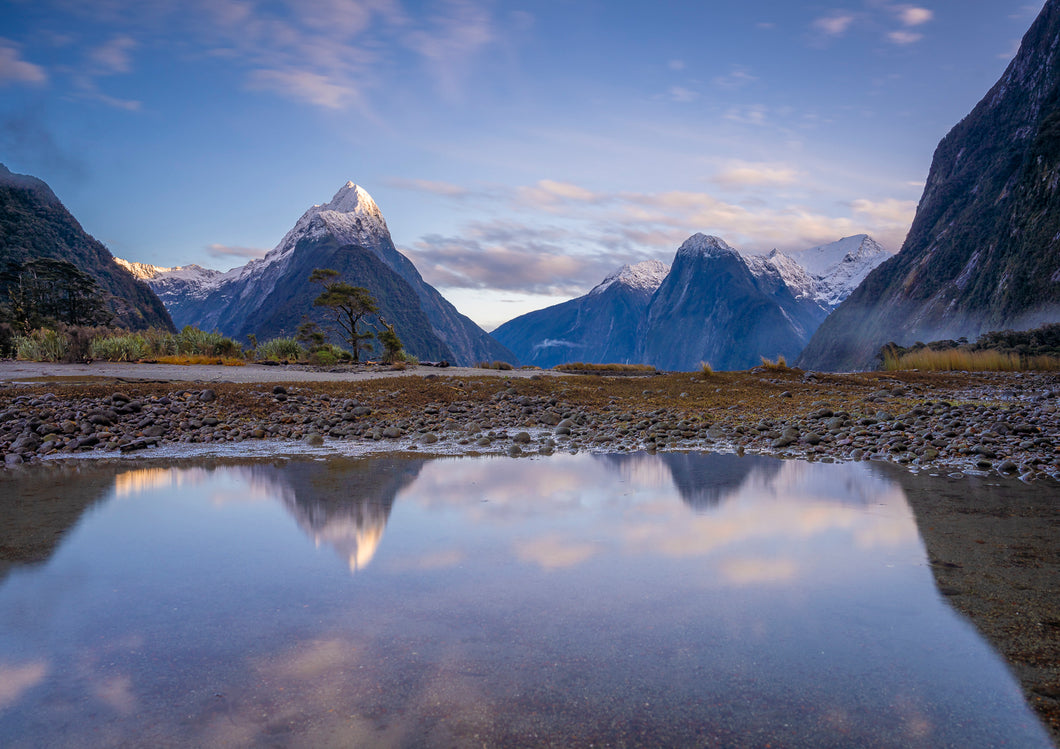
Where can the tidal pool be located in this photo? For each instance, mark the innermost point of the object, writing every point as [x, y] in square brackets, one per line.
[588, 600]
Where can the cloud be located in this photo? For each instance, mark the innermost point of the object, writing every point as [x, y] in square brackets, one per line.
[833, 25]
[225, 251]
[754, 114]
[756, 175]
[445, 189]
[548, 194]
[512, 257]
[891, 211]
[904, 37]
[676, 64]
[13, 69]
[113, 57]
[681, 95]
[304, 85]
[913, 16]
[736, 78]
[451, 39]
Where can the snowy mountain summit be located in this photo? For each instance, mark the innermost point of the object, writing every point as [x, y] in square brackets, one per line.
[646, 276]
[705, 244]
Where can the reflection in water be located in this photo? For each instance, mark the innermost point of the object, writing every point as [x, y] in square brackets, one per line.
[346, 505]
[643, 600]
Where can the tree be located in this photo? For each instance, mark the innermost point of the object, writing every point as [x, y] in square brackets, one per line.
[391, 343]
[349, 304]
[47, 291]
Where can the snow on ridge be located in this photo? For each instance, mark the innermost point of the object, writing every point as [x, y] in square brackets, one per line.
[705, 244]
[645, 276]
[191, 272]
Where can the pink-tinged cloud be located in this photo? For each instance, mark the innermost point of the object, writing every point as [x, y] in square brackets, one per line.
[13, 69]
[834, 25]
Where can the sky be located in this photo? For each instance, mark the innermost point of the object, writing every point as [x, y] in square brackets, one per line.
[520, 150]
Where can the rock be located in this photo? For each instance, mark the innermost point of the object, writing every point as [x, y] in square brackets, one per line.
[811, 438]
[392, 432]
[279, 390]
[429, 438]
[316, 439]
[13, 459]
[207, 396]
[521, 438]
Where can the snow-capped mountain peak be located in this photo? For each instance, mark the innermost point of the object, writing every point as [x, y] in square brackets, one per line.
[705, 244]
[646, 276]
[840, 266]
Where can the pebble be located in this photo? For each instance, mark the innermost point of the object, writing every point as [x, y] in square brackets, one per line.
[1012, 430]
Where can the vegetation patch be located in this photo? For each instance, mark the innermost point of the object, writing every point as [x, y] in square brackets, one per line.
[998, 351]
[620, 369]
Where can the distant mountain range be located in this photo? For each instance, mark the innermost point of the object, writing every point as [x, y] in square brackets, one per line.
[983, 253]
[34, 224]
[271, 296]
[714, 305]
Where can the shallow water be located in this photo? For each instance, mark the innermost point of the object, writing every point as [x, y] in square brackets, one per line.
[627, 600]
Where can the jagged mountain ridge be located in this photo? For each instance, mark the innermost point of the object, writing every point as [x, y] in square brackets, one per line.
[983, 252]
[269, 296]
[610, 323]
[35, 224]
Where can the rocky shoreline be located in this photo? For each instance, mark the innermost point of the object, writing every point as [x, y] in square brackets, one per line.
[1002, 423]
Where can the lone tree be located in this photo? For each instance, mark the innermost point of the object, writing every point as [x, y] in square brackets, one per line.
[391, 343]
[349, 304]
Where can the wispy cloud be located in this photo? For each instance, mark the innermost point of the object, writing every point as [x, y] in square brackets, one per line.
[681, 95]
[756, 175]
[737, 77]
[834, 24]
[592, 233]
[228, 251]
[904, 37]
[113, 57]
[14, 69]
[445, 189]
[910, 15]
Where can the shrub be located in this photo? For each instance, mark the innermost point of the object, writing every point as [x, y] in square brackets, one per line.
[280, 349]
[779, 365]
[43, 344]
[127, 347]
[705, 369]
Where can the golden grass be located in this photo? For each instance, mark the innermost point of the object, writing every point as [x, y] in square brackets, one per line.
[705, 369]
[579, 366]
[187, 359]
[961, 360]
[781, 364]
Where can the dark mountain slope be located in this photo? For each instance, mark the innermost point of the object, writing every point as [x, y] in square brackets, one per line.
[983, 252]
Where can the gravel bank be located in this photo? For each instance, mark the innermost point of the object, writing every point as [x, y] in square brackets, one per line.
[1007, 424]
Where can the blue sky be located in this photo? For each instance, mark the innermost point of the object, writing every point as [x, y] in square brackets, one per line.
[520, 151]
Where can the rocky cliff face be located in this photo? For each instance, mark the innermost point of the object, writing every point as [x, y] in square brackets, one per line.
[269, 297]
[983, 252]
[34, 224]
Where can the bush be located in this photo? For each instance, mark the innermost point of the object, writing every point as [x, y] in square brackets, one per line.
[280, 349]
[705, 369]
[128, 347]
[41, 345]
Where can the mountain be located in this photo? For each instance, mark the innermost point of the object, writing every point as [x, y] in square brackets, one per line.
[269, 297]
[983, 252]
[716, 306]
[35, 225]
[600, 327]
[781, 297]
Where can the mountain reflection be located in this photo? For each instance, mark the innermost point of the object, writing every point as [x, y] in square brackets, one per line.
[703, 480]
[341, 503]
[40, 506]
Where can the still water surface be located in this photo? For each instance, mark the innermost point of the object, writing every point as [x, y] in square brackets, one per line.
[633, 600]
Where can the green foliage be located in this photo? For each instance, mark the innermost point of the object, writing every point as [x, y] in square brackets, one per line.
[128, 347]
[43, 344]
[49, 292]
[391, 344]
[280, 349]
[349, 305]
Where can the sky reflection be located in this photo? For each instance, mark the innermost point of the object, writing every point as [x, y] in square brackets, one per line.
[676, 599]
